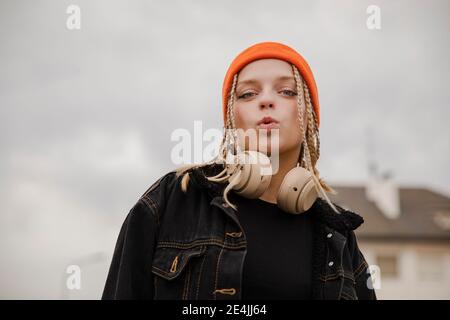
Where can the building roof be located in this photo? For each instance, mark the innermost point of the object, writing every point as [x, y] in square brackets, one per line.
[425, 215]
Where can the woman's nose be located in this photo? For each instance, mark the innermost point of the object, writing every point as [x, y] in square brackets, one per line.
[267, 101]
[266, 104]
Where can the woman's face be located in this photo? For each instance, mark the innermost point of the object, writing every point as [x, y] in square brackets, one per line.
[267, 88]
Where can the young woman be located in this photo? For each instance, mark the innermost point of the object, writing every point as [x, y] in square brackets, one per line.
[224, 229]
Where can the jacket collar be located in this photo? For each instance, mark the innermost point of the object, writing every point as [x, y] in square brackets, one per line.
[347, 220]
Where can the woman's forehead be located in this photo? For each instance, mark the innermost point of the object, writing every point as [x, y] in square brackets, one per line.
[266, 69]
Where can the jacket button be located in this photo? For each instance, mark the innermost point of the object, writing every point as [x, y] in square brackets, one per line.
[329, 235]
[330, 264]
[230, 291]
[234, 234]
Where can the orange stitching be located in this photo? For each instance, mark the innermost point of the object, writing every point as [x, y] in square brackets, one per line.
[230, 291]
[173, 268]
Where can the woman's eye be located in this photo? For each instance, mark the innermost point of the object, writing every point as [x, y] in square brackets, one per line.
[249, 94]
[245, 95]
[289, 92]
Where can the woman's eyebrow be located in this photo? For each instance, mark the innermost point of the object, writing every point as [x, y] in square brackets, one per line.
[252, 81]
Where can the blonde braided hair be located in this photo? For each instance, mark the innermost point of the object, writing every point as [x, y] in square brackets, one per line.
[310, 149]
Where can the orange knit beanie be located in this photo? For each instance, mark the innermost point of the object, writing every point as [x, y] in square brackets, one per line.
[274, 50]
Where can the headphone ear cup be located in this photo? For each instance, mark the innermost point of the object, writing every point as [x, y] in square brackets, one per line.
[255, 174]
[297, 192]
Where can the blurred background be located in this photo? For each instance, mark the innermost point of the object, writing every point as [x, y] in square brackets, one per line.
[86, 117]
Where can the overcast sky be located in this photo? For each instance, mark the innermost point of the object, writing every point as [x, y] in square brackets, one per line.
[86, 115]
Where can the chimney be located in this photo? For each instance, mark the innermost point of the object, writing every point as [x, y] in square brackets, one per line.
[383, 191]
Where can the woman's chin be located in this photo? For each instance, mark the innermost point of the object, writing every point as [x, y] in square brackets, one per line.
[268, 150]
[265, 148]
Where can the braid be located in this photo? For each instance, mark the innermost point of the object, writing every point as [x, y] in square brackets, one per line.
[230, 133]
[230, 103]
[312, 128]
[231, 121]
[311, 143]
[228, 139]
[314, 122]
[301, 101]
[300, 114]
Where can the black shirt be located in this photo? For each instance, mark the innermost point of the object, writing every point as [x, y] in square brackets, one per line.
[278, 264]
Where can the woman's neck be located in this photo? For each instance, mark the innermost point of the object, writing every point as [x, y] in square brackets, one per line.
[287, 161]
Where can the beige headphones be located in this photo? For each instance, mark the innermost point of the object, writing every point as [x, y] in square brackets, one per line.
[250, 176]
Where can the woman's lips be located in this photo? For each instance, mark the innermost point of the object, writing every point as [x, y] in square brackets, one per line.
[271, 125]
[267, 122]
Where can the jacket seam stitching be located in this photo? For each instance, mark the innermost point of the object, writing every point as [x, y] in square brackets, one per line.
[168, 244]
[186, 283]
[199, 277]
[217, 273]
[336, 276]
[346, 295]
[153, 187]
[152, 206]
[359, 270]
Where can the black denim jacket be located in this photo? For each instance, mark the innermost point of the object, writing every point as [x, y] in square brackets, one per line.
[176, 245]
